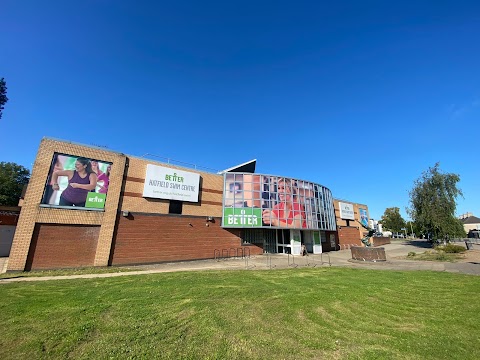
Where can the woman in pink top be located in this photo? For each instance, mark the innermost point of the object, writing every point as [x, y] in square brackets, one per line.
[95, 167]
[288, 212]
[104, 180]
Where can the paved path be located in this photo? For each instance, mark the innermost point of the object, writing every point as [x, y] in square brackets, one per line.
[340, 258]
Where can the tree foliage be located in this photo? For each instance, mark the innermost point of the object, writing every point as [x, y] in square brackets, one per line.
[413, 228]
[12, 179]
[433, 203]
[392, 220]
[3, 95]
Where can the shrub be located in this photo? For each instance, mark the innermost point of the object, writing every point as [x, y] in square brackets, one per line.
[454, 249]
[411, 254]
[442, 257]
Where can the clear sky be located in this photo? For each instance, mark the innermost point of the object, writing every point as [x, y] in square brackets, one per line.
[359, 96]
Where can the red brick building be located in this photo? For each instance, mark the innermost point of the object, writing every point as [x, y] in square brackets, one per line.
[130, 217]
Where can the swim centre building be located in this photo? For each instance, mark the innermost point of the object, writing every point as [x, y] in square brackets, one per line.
[140, 211]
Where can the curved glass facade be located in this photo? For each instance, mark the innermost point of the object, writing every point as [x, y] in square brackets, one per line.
[266, 201]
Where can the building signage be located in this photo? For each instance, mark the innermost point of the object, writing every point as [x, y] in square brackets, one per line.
[256, 200]
[363, 217]
[346, 211]
[172, 184]
[242, 217]
[76, 182]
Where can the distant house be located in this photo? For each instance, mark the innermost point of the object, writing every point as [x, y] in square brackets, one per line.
[470, 222]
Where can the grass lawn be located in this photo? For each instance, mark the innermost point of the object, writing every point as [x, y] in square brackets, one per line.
[434, 256]
[329, 313]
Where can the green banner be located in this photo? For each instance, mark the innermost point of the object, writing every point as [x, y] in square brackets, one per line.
[95, 200]
[242, 217]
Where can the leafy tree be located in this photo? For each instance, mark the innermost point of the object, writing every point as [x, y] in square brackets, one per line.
[392, 220]
[413, 228]
[12, 179]
[433, 203]
[3, 95]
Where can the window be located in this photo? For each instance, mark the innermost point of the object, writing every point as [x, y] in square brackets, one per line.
[253, 236]
[175, 207]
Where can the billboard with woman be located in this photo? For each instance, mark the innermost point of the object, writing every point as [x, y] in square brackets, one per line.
[77, 182]
[255, 200]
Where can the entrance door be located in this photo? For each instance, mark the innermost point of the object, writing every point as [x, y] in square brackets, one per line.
[284, 246]
[317, 243]
[270, 241]
[296, 242]
[308, 240]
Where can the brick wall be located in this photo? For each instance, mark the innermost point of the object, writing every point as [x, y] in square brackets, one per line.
[379, 241]
[62, 246]
[210, 195]
[327, 246]
[150, 235]
[124, 193]
[32, 213]
[348, 235]
[9, 215]
[351, 232]
[8, 219]
[144, 239]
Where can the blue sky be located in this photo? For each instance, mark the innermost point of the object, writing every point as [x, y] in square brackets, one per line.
[360, 96]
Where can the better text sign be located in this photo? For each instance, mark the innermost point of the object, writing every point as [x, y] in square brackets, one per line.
[172, 184]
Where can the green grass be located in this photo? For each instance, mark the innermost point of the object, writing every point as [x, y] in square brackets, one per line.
[62, 272]
[329, 313]
[435, 255]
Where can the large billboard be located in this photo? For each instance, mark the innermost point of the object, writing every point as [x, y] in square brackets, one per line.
[76, 182]
[171, 184]
[264, 201]
[363, 217]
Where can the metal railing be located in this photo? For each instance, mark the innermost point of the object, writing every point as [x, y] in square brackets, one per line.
[292, 263]
[239, 253]
[269, 261]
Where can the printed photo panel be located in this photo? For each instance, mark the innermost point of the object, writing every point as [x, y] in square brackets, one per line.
[76, 182]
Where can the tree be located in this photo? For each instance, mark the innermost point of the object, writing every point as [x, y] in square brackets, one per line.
[412, 228]
[392, 220]
[12, 179]
[3, 95]
[433, 203]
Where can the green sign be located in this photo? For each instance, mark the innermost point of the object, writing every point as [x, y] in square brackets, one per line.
[316, 238]
[95, 200]
[242, 217]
